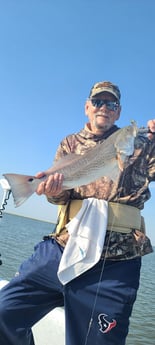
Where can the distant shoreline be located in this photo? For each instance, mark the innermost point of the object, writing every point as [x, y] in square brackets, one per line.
[19, 215]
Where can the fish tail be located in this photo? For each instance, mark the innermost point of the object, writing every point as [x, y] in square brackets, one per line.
[22, 187]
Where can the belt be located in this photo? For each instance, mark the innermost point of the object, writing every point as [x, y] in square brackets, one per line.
[121, 218]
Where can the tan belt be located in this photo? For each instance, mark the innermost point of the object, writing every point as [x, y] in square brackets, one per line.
[121, 218]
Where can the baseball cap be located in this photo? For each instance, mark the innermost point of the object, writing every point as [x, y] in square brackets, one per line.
[105, 86]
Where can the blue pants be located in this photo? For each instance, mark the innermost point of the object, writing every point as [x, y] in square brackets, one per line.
[97, 308]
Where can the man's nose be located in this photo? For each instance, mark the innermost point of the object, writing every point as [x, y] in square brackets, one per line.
[104, 107]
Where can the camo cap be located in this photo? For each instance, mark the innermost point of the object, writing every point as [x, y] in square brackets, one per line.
[105, 86]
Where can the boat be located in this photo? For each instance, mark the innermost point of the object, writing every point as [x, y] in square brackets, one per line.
[50, 329]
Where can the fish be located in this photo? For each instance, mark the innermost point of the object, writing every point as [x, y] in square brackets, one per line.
[107, 158]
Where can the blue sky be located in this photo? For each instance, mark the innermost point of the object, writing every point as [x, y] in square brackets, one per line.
[51, 53]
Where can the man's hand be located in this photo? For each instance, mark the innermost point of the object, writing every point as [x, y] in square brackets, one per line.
[151, 126]
[51, 186]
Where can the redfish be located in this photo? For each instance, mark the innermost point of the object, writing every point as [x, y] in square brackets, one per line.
[104, 159]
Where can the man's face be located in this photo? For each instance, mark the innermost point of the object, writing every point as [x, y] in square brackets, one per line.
[102, 118]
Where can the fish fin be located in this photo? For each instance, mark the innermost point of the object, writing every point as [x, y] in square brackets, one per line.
[22, 187]
[113, 170]
[120, 162]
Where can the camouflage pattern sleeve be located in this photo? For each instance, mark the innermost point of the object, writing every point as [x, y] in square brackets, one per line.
[151, 161]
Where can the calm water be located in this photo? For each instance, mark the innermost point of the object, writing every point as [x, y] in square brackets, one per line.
[18, 235]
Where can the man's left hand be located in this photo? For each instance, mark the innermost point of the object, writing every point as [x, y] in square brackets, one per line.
[151, 126]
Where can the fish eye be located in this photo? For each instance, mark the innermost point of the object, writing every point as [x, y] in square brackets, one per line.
[30, 179]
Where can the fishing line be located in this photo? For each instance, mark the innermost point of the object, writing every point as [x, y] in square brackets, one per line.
[102, 271]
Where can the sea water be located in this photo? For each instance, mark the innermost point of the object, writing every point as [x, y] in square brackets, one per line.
[18, 235]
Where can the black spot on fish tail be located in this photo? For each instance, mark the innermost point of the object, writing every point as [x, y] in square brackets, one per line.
[30, 179]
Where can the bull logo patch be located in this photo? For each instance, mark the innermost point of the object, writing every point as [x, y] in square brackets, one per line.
[105, 325]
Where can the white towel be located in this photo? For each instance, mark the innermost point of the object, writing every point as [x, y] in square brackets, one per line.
[87, 233]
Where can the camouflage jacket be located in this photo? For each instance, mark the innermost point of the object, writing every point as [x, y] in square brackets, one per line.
[132, 188]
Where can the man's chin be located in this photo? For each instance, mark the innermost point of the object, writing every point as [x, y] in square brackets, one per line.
[103, 126]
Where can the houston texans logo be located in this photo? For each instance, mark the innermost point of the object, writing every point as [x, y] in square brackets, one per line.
[105, 325]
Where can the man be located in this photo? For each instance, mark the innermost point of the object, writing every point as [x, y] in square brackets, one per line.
[99, 302]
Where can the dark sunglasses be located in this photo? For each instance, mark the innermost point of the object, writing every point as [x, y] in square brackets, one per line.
[98, 103]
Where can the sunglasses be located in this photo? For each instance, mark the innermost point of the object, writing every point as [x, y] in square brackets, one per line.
[98, 103]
